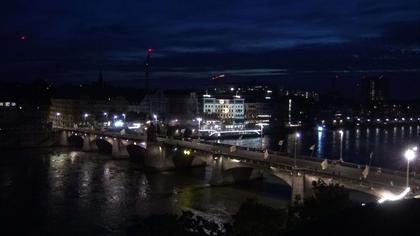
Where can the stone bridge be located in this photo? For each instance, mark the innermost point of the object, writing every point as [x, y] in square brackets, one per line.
[240, 164]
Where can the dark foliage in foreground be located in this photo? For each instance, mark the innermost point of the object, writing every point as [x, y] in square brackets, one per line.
[186, 224]
[326, 200]
[393, 218]
[327, 212]
[254, 219]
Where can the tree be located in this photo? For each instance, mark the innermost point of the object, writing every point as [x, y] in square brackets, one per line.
[326, 200]
[197, 225]
[256, 219]
[186, 224]
[157, 225]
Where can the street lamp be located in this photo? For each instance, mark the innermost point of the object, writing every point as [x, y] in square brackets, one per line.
[57, 117]
[85, 116]
[409, 155]
[199, 119]
[261, 125]
[106, 116]
[297, 136]
[341, 144]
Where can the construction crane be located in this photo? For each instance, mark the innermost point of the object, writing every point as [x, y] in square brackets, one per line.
[147, 67]
[147, 77]
[152, 131]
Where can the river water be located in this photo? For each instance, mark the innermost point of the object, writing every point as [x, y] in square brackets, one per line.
[68, 192]
[386, 144]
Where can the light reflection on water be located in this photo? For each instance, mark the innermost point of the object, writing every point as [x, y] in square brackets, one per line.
[63, 192]
[387, 144]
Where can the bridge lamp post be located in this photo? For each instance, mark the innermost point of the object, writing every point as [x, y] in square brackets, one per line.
[297, 136]
[85, 116]
[409, 155]
[199, 119]
[261, 125]
[341, 132]
[58, 114]
[106, 116]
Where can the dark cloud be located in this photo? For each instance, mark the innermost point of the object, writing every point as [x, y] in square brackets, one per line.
[406, 34]
[72, 40]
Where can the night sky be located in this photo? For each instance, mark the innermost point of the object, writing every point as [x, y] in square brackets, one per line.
[295, 43]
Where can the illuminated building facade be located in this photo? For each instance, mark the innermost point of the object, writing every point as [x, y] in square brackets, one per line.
[224, 109]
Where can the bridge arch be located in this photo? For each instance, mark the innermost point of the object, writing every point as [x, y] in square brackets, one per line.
[228, 170]
[104, 144]
[75, 140]
[302, 184]
[136, 151]
[187, 157]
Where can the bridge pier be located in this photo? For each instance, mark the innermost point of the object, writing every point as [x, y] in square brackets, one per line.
[123, 148]
[299, 181]
[119, 149]
[160, 156]
[298, 187]
[86, 144]
[89, 143]
[157, 157]
[217, 171]
[202, 159]
[64, 140]
[92, 141]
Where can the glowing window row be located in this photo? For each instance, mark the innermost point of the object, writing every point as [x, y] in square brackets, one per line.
[7, 104]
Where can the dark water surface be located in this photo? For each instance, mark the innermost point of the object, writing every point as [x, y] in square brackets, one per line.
[386, 144]
[67, 192]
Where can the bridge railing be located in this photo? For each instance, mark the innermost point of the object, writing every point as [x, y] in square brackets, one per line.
[369, 184]
[330, 161]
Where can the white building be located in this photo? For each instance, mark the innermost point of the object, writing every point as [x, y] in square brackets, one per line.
[224, 108]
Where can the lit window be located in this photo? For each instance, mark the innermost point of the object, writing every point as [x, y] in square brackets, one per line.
[7, 104]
